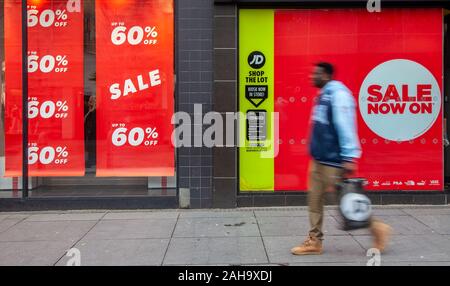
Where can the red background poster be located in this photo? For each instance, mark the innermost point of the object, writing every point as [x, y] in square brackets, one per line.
[55, 94]
[134, 88]
[356, 43]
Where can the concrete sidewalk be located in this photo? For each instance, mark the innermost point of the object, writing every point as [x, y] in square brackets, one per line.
[248, 236]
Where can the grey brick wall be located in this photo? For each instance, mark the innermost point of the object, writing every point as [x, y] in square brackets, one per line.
[194, 30]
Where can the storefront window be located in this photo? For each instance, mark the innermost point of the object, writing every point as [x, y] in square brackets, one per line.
[4, 183]
[100, 97]
[391, 61]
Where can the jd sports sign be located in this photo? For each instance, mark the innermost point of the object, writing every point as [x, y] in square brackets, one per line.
[258, 91]
[256, 60]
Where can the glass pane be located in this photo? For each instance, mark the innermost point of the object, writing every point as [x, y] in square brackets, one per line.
[100, 97]
[11, 112]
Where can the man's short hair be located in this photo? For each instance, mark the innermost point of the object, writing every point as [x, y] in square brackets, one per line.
[327, 67]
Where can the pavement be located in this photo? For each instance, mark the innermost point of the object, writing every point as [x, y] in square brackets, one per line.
[244, 236]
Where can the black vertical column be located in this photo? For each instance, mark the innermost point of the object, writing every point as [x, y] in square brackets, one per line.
[24, 101]
[225, 101]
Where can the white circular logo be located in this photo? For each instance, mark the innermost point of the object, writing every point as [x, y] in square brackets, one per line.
[355, 207]
[400, 100]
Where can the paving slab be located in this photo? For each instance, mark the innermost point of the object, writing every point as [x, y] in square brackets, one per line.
[332, 227]
[32, 253]
[216, 227]
[284, 226]
[439, 223]
[65, 217]
[3, 216]
[5, 224]
[337, 249]
[415, 263]
[123, 252]
[376, 212]
[414, 248]
[215, 250]
[280, 213]
[403, 263]
[380, 211]
[401, 225]
[295, 226]
[132, 229]
[47, 230]
[216, 214]
[18, 216]
[361, 263]
[140, 215]
[439, 210]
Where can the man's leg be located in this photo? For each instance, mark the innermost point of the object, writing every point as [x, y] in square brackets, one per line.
[316, 199]
[332, 176]
[381, 233]
[313, 244]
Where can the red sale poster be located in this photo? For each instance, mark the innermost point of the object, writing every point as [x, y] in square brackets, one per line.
[392, 63]
[134, 88]
[55, 88]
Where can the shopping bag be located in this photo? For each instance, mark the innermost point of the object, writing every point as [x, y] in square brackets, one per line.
[355, 207]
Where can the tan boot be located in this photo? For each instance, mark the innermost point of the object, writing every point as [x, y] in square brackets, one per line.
[381, 233]
[311, 245]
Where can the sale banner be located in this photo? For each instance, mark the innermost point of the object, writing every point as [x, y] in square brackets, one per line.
[134, 88]
[55, 88]
[392, 63]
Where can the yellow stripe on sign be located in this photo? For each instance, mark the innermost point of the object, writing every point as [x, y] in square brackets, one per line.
[256, 99]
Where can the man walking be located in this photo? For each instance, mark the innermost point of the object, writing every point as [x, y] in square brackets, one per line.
[334, 148]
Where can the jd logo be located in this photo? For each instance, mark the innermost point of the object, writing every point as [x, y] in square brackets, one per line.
[256, 60]
[355, 207]
[361, 206]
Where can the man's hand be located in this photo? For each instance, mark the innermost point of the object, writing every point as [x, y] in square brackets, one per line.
[349, 168]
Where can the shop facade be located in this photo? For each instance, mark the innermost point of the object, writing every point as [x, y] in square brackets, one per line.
[264, 53]
[112, 84]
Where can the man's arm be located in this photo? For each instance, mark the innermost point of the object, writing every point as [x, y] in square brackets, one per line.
[344, 119]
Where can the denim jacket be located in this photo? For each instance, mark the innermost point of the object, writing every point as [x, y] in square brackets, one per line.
[334, 137]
